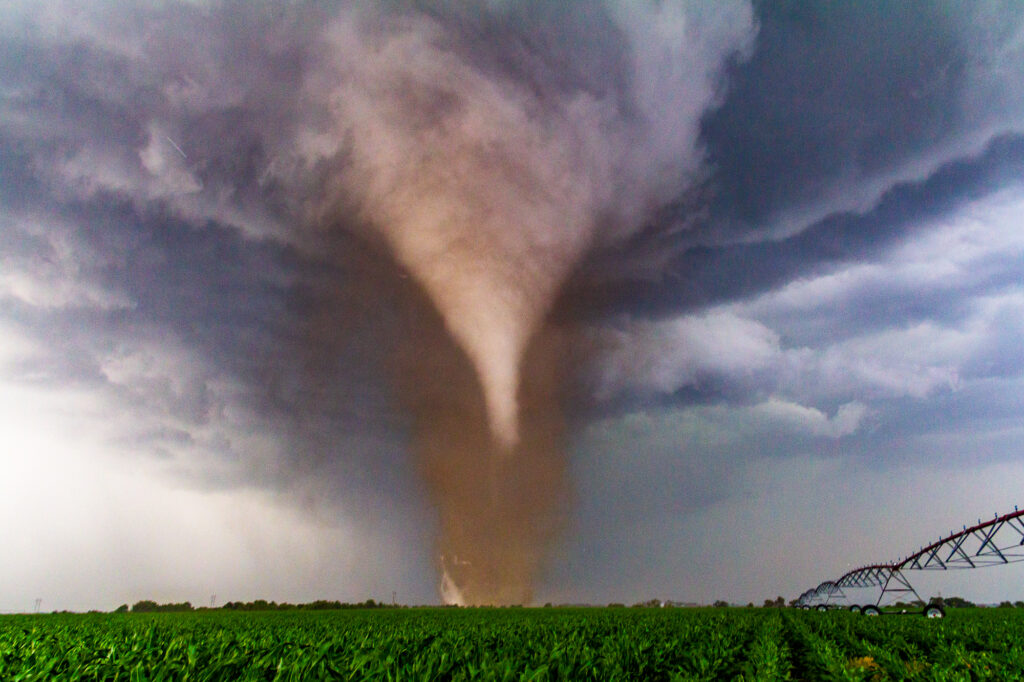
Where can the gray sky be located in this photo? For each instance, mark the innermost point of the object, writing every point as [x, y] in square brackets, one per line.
[782, 245]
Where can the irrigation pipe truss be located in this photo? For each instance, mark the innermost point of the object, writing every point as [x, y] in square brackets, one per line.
[990, 543]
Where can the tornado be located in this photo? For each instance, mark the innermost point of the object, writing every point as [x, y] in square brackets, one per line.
[488, 150]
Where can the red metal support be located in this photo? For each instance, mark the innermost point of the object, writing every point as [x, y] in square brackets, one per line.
[990, 543]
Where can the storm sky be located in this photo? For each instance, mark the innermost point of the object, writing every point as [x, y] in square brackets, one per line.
[774, 255]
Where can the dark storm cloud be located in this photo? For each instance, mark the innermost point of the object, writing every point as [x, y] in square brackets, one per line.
[840, 112]
[155, 243]
[709, 275]
[102, 281]
[119, 142]
[834, 91]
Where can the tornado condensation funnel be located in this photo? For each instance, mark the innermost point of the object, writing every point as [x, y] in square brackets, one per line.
[487, 204]
[491, 320]
[491, 277]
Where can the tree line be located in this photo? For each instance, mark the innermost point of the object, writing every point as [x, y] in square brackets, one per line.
[150, 606]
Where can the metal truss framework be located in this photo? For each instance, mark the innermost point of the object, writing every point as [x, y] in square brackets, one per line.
[991, 543]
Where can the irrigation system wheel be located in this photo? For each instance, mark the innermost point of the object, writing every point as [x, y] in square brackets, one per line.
[934, 611]
[822, 607]
[854, 608]
[871, 610]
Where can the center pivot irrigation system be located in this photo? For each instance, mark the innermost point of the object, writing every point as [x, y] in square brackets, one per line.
[990, 543]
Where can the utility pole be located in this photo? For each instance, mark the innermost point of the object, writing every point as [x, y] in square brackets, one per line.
[39, 602]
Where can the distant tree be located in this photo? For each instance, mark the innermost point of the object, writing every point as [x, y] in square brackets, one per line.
[150, 606]
[720, 604]
[1005, 605]
[954, 602]
[959, 603]
[123, 608]
[778, 603]
[1019, 604]
[318, 605]
[616, 605]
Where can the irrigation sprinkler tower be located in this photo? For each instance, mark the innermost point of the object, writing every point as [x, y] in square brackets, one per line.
[995, 542]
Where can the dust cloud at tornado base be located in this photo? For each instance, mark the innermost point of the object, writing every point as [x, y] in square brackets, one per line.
[499, 510]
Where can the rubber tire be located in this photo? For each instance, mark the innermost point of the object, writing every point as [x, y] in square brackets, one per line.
[934, 611]
[854, 608]
[822, 608]
[871, 610]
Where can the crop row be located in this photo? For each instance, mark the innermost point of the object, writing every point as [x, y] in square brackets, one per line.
[427, 644]
[511, 644]
[973, 644]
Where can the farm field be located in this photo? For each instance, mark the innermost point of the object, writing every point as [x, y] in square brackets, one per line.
[513, 644]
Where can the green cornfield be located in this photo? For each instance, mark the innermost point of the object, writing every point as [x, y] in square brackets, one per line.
[514, 644]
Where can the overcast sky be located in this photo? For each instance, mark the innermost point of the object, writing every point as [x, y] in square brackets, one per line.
[782, 247]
